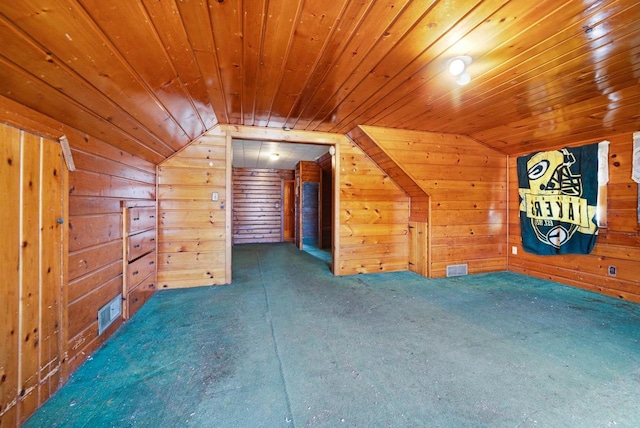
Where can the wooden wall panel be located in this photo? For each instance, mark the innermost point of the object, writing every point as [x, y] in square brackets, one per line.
[466, 195]
[33, 189]
[369, 244]
[257, 204]
[10, 238]
[101, 181]
[92, 263]
[193, 229]
[618, 244]
[309, 171]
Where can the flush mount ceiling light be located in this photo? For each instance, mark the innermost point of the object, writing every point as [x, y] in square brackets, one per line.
[457, 67]
[274, 156]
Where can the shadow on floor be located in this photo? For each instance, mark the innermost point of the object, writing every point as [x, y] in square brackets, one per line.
[323, 254]
[288, 344]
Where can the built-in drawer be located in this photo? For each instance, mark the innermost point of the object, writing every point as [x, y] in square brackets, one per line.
[139, 295]
[141, 218]
[140, 269]
[140, 244]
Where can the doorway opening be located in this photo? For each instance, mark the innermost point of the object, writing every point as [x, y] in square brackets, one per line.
[283, 192]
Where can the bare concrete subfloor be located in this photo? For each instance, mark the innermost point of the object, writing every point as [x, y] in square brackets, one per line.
[287, 344]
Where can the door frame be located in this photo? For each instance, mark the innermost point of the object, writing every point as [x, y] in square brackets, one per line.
[284, 206]
[332, 141]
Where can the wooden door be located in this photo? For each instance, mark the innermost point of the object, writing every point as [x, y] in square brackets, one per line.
[418, 248]
[325, 208]
[288, 210]
[32, 237]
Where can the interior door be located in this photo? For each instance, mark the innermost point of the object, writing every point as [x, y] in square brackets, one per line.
[288, 210]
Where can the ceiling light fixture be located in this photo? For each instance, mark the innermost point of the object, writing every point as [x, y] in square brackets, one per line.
[457, 67]
[286, 128]
[274, 156]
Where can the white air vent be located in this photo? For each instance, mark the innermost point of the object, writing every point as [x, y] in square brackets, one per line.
[457, 270]
[109, 313]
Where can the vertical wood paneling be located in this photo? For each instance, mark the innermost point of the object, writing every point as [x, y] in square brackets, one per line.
[466, 182]
[176, 42]
[105, 175]
[75, 42]
[618, 244]
[30, 355]
[226, 19]
[154, 69]
[253, 22]
[51, 346]
[418, 245]
[192, 230]
[278, 33]
[315, 22]
[195, 19]
[31, 285]
[372, 217]
[257, 204]
[10, 239]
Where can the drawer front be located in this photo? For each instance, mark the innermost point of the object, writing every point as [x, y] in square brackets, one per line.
[141, 218]
[140, 269]
[140, 244]
[139, 295]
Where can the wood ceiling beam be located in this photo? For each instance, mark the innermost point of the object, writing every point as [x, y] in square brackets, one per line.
[274, 134]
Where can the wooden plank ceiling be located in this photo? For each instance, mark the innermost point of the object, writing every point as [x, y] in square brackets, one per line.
[149, 76]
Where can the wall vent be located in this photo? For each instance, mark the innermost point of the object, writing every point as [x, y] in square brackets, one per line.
[457, 270]
[109, 313]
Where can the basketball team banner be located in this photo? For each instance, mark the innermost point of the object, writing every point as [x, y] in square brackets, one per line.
[559, 197]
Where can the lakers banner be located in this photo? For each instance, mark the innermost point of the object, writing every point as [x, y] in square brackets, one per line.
[558, 200]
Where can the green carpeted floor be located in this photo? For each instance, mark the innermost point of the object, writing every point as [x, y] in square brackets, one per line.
[287, 344]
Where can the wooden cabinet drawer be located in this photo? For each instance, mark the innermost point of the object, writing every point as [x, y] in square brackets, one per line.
[140, 244]
[139, 295]
[141, 218]
[140, 269]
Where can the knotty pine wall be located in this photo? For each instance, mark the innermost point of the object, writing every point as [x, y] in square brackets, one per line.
[194, 232]
[617, 245]
[33, 181]
[257, 204]
[104, 177]
[372, 219]
[467, 183]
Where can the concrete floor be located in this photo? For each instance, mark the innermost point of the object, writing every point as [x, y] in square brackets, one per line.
[290, 345]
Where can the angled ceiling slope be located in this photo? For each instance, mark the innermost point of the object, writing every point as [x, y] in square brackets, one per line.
[149, 76]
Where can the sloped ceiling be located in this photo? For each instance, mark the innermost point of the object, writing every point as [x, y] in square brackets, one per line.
[149, 76]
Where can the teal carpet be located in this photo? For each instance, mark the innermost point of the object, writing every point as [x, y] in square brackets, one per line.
[289, 345]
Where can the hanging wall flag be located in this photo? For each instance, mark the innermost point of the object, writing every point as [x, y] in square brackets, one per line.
[558, 199]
